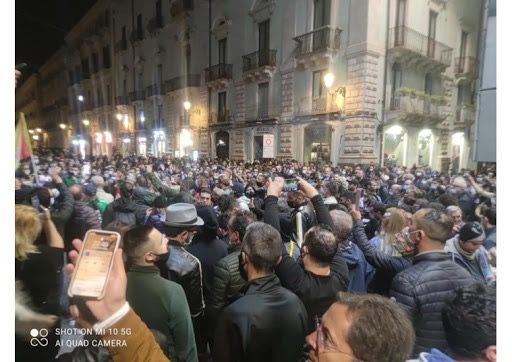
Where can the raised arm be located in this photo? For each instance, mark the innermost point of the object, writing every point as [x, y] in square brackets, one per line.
[322, 213]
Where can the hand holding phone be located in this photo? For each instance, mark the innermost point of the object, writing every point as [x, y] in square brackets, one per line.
[358, 198]
[94, 264]
[115, 291]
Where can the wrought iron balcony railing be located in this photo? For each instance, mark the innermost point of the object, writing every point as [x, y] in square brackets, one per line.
[155, 89]
[260, 58]
[189, 80]
[406, 38]
[219, 71]
[139, 95]
[318, 40]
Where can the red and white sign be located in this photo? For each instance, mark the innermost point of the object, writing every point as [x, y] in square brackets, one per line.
[268, 146]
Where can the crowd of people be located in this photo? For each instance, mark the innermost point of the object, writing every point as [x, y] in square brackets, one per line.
[276, 260]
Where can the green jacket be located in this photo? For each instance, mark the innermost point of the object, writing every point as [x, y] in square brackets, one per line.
[68, 179]
[226, 285]
[162, 305]
[165, 190]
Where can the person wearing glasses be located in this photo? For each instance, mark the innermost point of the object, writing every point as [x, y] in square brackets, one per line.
[160, 303]
[361, 327]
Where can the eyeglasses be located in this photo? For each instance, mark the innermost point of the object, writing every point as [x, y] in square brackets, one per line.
[327, 346]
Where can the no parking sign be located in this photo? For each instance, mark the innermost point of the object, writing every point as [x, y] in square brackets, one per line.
[268, 146]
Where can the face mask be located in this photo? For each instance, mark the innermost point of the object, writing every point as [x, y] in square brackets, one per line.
[161, 261]
[451, 191]
[241, 269]
[433, 187]
[424, 182]
[479, 179]
[405, 187]
[26, 172]
[190, 237]
[249, 194]
[419, 174]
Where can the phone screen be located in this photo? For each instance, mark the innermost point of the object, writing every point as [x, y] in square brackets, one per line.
[290, 185]
[94, 264]
[35, 202]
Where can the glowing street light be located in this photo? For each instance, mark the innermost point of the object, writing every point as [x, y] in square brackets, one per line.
[86, 122]
[187, 105]
[62, 126]
[80, 98]
[39, 130]
[31, 131]
[142, 118]
[35, 137]
[328, 80]
[119, 117]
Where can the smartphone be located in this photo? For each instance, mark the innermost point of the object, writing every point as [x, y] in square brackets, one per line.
[86, 169]
[94, 264]
[290, 184]
[358, 198]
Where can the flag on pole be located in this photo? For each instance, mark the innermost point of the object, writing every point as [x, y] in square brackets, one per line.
[23, 144]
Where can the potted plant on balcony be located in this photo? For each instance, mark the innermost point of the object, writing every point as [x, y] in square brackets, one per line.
[420, 94]
[404, 91]
[438, 99]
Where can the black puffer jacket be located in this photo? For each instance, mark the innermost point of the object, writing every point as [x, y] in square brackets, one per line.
[185, 269]
[422, 290]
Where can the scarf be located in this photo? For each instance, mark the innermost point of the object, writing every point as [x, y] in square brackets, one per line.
[464, 253]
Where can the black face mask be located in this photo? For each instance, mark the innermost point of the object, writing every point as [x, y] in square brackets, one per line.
[161, 261]
[241, 269]
[249, 194]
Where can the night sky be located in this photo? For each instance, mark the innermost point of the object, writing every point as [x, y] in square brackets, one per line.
[41, 26]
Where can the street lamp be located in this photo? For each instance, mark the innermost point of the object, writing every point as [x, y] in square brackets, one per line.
[86, 122]
[187, 105]
[39, 130]
[31, 131]
[340, 91]
[119, 117]
[80, 98]
[62, 126]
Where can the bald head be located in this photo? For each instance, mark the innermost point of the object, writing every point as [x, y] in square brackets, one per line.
[396, 189]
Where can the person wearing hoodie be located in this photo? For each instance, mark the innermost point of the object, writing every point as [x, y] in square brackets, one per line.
[469, 252]
[125, 209]
[469, 321]
[360, 272]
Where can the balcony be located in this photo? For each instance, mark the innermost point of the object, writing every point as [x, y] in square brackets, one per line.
[218, 76]
[417, 50]
[464, 115]
[316, 105]
[259, 65]
[121, 45]
[180, 8]
[156, 89]
[466, 67]
[155, 24]
[263, 113]
[190, 80]
[219, 118]
[122, 101]
[317, 46]
[139, 95]
[417, 109]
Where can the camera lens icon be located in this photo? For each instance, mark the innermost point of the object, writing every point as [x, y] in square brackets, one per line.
[39, 337]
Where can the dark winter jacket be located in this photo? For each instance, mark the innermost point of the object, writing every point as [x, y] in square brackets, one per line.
[185, 269]
[422, 290]
[267, 324]
[82, 219]
[226, 284]
[125, 210]
[386, 266]
[317, 292]
[63, 208]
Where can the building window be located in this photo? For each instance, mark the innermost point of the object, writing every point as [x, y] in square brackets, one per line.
[396, 83]
[428, 84]
[432, 33]
[71, 77]
[400, 22]
[125, 87]
[123, 38]
[85, 68]
[319, 89]
[322, 13]
[139, 27]
[95, 63]
[106, 57]
[263, 100]
[188, 53]
[462, 51]
[78, 74]
[264, 35]
[158, 13]
[140, 79]
[158, 74]
[99, 98]
[221, 107]
[108, 97]
[222, 50]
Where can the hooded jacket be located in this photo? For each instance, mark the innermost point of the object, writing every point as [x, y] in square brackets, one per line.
[360, 272]
[485, 275]
[125, 210]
